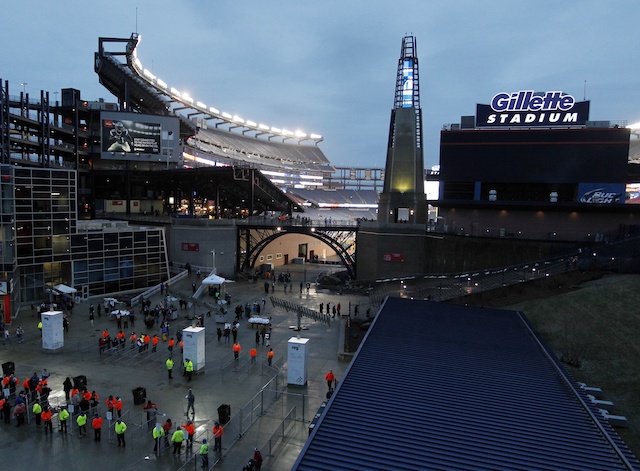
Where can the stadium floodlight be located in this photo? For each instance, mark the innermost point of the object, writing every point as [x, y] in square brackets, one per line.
[634, 126]
[161, 83]
[238, 119]
[186, 97]
[300, 134]
[311, 177]
[214, 110]
[251, 123]
[138, 63]
[264, 127]
[276, 130]
[315, 136]
[149, 74]
[226, 115]
[286, 132]
[176, 92]
[273, 174]
[201, 105]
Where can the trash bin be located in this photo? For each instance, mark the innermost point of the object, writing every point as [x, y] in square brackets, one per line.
[8, 368]
[139, 396]
[224, 413]
[80, 382]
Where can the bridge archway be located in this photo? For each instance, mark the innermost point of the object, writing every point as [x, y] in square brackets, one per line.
[253, 240]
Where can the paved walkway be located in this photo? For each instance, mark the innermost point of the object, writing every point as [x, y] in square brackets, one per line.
[220, 383]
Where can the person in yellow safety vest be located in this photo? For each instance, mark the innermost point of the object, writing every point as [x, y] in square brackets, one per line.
[120, 427]
[63, 415]
[37, 411]
[40, 328]
[158, 433]
[82, 424]
[204, 454]
[169, 364]
[177, 438]
[188, 368]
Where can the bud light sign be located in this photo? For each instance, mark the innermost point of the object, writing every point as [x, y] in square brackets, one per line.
[526, 108]
[601, 193]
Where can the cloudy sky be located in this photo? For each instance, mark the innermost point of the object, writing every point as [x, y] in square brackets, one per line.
[329, 67]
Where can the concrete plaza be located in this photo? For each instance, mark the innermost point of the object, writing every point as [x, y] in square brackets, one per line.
[223, 381]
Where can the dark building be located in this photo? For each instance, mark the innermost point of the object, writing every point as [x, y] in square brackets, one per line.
[533, 166]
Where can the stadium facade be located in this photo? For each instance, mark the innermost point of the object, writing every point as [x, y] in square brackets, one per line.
[533, 166]
[182, 173]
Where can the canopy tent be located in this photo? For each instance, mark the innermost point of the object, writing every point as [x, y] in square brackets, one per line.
[214, 279]
[120, 312]
[64, 289]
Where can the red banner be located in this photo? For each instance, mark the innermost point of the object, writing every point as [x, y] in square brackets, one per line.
[393, 257]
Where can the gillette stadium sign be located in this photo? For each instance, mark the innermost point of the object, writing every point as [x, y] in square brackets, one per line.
[526, 108]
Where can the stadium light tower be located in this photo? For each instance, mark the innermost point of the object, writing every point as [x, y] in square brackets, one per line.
[403, 198]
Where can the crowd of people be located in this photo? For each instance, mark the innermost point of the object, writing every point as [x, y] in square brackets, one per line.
[82, 408]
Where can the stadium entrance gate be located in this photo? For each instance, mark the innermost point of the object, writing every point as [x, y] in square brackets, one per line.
[253, 238]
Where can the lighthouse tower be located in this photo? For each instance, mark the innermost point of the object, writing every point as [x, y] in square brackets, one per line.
[403, 199]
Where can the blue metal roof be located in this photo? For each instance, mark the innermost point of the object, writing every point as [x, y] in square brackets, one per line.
[446, 387]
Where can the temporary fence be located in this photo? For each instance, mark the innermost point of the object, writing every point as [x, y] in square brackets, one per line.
[301, 310]
[239, 423]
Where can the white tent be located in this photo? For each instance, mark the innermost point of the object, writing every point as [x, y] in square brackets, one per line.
[214, 279]
[65, 289]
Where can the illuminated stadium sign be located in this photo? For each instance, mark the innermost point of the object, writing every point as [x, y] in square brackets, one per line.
[602, 193]
[527, 108]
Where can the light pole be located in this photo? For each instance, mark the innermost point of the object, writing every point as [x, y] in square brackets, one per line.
[213, 255]
[24, 87]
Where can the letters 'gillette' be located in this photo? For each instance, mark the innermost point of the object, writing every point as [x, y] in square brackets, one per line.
[526, 100]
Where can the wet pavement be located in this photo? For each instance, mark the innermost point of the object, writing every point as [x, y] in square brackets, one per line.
[257, 411]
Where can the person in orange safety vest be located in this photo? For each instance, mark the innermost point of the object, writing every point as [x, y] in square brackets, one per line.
[118, 406]
[330, 377]
[218, 431]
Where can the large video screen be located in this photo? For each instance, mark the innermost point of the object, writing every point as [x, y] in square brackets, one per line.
[535, 155]
[129, 136]
[407, 83]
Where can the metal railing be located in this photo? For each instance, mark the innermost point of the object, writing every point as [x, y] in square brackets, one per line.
[240, 422]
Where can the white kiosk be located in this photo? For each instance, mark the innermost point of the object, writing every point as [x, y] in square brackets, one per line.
[298, 359]
[194, 345]
[52, 331]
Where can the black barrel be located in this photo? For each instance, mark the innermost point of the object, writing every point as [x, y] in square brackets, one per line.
[8, 368]
[139, 396]
[224, 413]
[80, 382]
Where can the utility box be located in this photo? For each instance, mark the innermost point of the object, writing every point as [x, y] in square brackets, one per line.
[52, 331]
[298, 359]
[194, 346]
